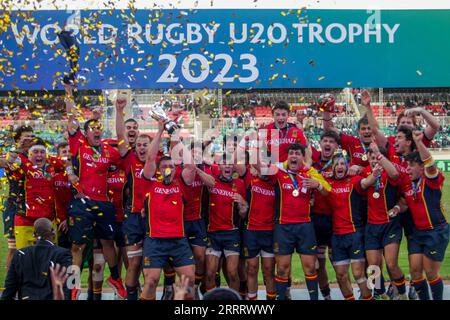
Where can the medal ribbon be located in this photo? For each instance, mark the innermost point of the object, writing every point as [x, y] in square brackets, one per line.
[415, 187]
[294, 181]
[364, 147]
[96, 151]
[377, 183]
[325, 166]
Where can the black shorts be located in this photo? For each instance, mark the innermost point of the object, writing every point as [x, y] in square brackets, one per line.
[133, 228]
[323, 227]
[158, 251]
[90, 219]
[196, 233]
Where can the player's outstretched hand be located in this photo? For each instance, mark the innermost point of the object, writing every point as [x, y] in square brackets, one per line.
[413, 111]
[365, 98]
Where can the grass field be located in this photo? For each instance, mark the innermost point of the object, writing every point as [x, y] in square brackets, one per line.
[297, 273]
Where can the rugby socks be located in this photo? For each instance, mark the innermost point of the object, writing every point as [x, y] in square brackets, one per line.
[97, 294]
[369, 297]
[243, 289]
[253, 296]
[437, 288]
[281, 285]
[349, 297]
[382, 289]
[270, 295]
[90, 295]
[132, 293]
[421, 287]
[169, 279]
[312, 283]
[326, 292]
[400, 285]
[114, 272]
[145, 298]
[218, 280]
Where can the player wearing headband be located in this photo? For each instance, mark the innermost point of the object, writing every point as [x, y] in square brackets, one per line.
[91, 211]
[347, 241]
[383, 231]
[422, 191]
[24, 139]
[293, 228]
[38, 173]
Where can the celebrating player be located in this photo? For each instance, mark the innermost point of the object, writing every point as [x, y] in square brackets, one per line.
[347, 241]
[322, 209]
[383, 233]
[164, 213]
[91, 209]
[293, 227]
[423, 195]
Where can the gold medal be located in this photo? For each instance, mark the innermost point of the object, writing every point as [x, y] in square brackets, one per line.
[295, 193]
[364, 157]
[235, 175]
[376, 195]
[167, 172]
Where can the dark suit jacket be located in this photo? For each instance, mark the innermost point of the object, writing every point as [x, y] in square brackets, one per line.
[29, 273]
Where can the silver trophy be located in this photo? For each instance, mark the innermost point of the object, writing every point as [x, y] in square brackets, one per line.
[157, 112]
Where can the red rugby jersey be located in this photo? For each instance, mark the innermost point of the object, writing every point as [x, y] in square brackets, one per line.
[346, 198]
[388, 191]
[261, 199]
[164, 209]
[136, 184]
[92, 167]
[223, 211]
[116, 185]
[321, 203]
[355, 149]
[290, 209]
[283, 139]
[39, 185]
[194, 194]
[64, 195]
[426, 207]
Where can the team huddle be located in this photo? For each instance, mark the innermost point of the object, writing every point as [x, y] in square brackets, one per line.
[126, 202]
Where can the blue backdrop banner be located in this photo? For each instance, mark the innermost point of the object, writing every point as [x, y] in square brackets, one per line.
[212, 48]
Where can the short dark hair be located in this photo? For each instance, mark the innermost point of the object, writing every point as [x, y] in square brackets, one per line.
[403, 114]
[407, 132]
[163, 158]
[331, 134]
[281, 105]
[88, 123]
[364, 120]
[20, 130]
[222, 294]
[61, 145]
[297, 146]
[39, 142]
[130, 120]
[414, 157]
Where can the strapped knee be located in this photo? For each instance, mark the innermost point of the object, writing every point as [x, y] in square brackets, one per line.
[99, 267]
